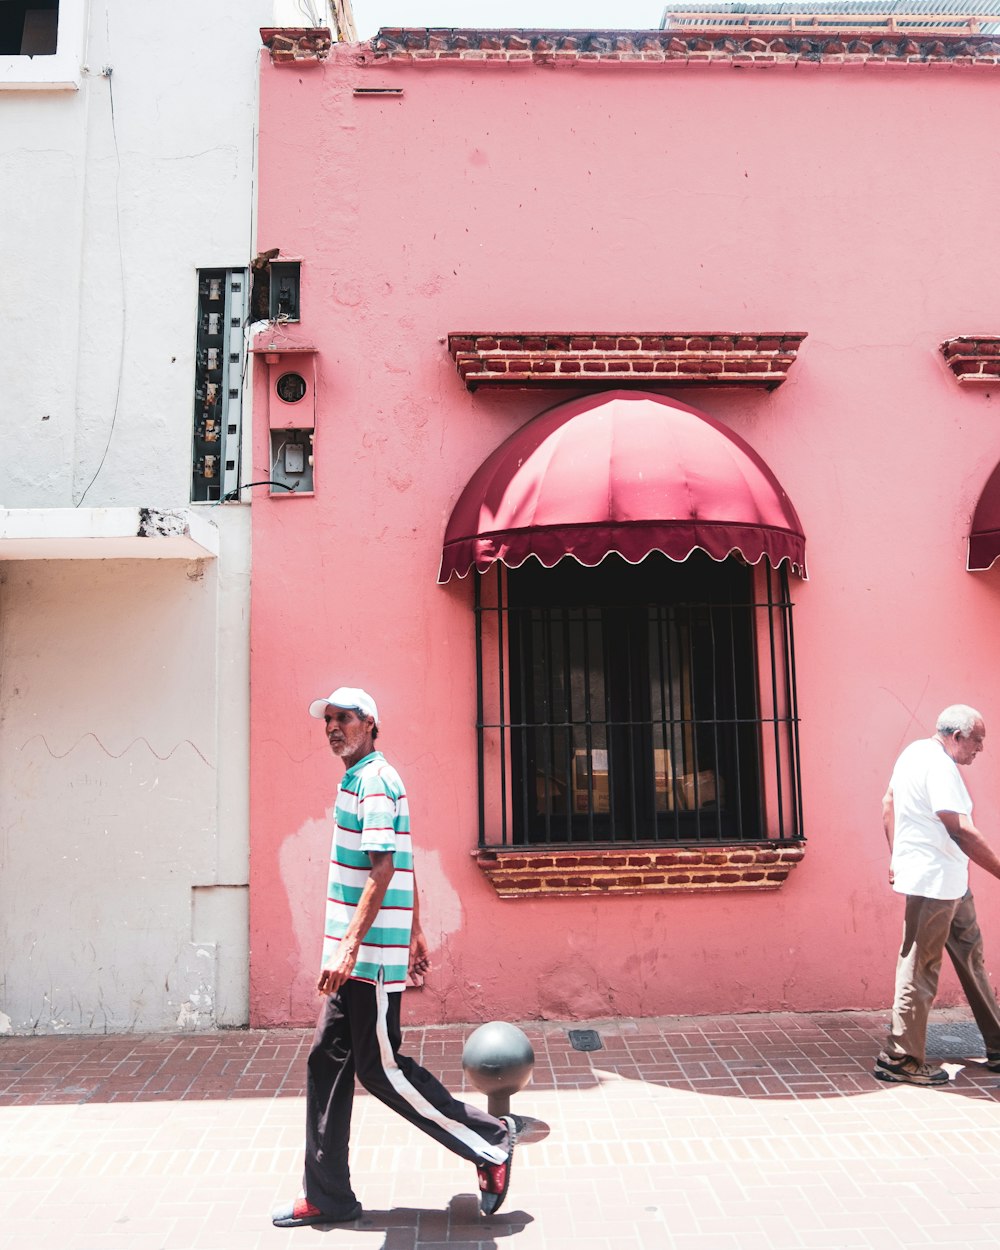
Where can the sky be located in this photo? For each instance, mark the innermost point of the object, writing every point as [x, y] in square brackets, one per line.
[369, 15]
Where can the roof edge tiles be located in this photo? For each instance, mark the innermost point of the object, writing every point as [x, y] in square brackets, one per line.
[971, 17]
[748, 46]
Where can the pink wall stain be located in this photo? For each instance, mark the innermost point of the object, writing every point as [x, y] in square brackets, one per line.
[303, 860]
[611, 197]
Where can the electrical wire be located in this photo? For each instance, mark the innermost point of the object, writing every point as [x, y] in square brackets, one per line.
[121, 270]
[308, 11]
[234, 494]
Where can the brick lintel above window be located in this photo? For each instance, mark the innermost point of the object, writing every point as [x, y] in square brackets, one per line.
[623, 358]
[526, 872]
[974, 358]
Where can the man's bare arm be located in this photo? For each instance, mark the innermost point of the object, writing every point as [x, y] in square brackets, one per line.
[889, 824]
[342, 964]
[420, 959]
[971, 841]
[888, 817]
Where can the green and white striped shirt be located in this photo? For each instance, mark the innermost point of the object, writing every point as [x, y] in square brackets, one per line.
[371, 814]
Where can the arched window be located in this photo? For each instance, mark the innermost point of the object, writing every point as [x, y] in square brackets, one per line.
[634, 641]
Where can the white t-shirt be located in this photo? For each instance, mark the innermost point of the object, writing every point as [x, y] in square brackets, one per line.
[925, 859]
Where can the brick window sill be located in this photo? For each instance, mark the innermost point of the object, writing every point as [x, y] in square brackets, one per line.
[526, 872]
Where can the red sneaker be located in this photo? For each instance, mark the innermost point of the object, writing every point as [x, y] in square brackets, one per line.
[494, 1178]
[301, 1212]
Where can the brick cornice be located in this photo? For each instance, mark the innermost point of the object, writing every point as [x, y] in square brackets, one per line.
[625, 358]
[974, 358]
[528, 872]
[294, 45]
[764, 47]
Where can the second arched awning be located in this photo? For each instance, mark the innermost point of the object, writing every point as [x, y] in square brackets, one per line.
[625, 472]
[984, 535]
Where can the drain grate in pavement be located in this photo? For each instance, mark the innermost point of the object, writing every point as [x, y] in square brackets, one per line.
[585, 1039]
[954, 1039]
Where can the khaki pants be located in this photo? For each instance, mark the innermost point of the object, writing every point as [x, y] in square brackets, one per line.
[930, 927]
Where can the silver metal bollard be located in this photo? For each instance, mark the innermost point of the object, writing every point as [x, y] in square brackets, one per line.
[498, 1059]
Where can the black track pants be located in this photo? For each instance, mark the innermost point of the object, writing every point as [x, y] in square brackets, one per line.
[357, 1034]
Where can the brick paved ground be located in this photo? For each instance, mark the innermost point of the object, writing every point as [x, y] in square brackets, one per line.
[734, 1133]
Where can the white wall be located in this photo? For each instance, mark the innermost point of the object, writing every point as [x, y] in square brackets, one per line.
[123, 683]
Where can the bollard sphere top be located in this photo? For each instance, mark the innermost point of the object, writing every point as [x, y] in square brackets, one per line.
[498, 1058]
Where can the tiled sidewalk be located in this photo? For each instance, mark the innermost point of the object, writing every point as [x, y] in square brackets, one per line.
[733, 1133]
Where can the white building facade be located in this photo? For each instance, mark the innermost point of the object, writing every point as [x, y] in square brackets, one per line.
[127, 150]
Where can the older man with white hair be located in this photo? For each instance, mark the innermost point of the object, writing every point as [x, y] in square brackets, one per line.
[927, 818]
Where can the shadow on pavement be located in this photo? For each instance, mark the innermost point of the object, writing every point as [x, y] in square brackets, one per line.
[459, 1225]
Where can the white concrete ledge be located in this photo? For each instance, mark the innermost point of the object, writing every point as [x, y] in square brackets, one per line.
[106, 534]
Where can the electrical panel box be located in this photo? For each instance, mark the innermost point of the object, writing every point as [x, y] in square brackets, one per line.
[218, 384]
[284, 292]
[291, 462]
[292, 377]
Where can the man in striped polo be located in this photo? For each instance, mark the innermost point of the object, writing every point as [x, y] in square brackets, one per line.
[372, 939]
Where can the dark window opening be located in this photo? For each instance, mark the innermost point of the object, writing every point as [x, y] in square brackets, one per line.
[28, 27]
[644, 703]
[275, 290]
[284, 293]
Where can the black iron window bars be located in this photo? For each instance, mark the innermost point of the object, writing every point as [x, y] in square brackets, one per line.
[627, 704]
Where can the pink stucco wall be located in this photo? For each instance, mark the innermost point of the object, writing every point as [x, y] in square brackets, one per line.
[851, 204]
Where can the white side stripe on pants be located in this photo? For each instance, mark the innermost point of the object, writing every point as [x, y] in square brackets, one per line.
[466, 1135]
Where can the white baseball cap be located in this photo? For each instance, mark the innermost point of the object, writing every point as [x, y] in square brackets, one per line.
[349, 697]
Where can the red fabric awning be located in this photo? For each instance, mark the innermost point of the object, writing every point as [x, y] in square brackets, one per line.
[626, 472]
[984, 537]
